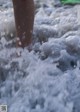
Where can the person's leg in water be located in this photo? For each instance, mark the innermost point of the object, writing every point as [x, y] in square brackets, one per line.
[24, 18]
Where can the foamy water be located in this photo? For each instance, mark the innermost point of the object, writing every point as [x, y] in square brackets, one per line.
[47, 79]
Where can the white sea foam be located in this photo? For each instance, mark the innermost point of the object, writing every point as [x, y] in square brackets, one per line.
[47, 79]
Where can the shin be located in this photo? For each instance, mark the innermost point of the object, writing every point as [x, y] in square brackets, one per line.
[24, 18]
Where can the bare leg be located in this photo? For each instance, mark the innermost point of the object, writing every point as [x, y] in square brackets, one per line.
[24, 18]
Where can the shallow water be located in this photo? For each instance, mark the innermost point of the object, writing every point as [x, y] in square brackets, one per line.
[47, 79]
